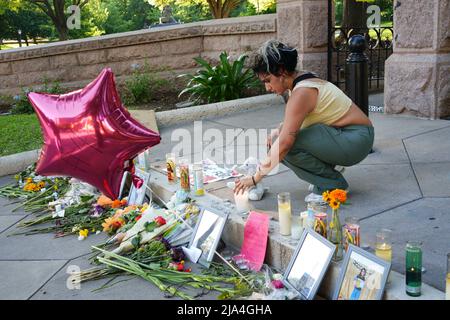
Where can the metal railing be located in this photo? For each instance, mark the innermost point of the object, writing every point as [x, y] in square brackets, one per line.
[379, 48]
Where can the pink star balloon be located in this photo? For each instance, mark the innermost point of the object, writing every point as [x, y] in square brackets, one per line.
[89, 135]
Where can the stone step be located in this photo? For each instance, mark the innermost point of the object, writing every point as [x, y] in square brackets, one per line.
[280, 248]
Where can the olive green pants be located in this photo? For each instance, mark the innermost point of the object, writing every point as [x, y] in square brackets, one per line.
[319, 148]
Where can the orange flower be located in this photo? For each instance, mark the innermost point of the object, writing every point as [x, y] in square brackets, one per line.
[116, 204]
[130, 208]
[104, 201]
[339, 195]
[112, 224]
[123, 202]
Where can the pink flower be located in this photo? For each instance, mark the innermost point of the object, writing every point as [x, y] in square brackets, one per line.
[278, 284]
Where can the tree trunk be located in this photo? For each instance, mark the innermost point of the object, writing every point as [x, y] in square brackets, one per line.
[355, 15]
[57, 14]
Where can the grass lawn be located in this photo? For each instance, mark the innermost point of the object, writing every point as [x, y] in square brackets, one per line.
[19, 133]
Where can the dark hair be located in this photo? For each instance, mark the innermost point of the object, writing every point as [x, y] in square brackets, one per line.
[274, 57]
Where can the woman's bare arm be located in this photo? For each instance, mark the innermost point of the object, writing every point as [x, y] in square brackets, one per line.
[301, 102]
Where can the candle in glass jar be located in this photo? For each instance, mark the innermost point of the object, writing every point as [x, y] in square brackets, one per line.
[383, 247]
[296, 227]
[198, 179]
[351, 232]
[413, 268]
[184, 175]
[284, 213]
[320, 223]
[242, 202]
[171, 168]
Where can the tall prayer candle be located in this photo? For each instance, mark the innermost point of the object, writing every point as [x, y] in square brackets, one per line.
[284, 213]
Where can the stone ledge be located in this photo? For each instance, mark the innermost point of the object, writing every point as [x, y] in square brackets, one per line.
[280, 249]
[14, 163]
[178, 116]
[239, 25]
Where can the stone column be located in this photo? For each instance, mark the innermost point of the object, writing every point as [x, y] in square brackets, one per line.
[417, 74]
[303, 24]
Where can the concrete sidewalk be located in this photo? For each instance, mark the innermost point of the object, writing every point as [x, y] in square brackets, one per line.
[404, 185]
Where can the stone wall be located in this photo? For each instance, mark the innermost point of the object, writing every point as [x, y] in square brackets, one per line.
[76, 62]
[418, 72]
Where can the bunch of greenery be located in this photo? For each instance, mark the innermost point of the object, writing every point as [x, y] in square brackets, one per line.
[21, 103]
[223, 82]
[141, 85]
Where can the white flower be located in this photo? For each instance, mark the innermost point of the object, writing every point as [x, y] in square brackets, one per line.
[59, 214]
[81, 238]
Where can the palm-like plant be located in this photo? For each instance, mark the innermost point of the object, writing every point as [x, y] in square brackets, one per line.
[223, 82]
[222, 8]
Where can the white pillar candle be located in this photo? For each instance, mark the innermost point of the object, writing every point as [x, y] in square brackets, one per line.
[242, 202]
[285, 216]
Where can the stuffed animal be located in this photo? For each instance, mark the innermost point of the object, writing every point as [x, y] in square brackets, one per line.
[249, 167]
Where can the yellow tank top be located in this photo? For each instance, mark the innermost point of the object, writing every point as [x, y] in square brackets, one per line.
[332, 103]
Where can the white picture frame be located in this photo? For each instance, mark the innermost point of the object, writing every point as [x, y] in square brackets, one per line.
[207, 234]
[308, 264]
[137, 196]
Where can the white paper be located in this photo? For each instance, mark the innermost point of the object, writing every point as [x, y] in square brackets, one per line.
[193, 254]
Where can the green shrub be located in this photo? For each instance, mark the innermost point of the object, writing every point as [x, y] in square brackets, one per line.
[140, 86]
[220, 83]
[22, 105]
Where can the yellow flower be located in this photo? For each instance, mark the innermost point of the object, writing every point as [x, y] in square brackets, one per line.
[339, 194]
[334, 204]
[83, 233]
[326, 196]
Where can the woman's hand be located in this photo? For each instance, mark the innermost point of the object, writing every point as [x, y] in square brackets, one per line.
[245, 183]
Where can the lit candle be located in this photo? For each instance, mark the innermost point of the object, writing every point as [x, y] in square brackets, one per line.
[413, 268]
[383, 247]
[242, 202]
[284, 213]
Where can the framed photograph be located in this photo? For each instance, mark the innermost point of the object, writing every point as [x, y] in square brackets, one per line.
[137, 196]
[308, 264]
[207, 234]
[363, 276]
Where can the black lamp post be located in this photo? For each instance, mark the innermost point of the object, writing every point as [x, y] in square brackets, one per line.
[20, 37]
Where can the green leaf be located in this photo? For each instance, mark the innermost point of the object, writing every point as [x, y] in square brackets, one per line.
[150, 226]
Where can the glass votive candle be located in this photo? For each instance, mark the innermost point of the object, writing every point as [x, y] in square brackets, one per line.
[383, 244]
[184, 174]
[199, 189]
[351, 232]
[284, 213]
[413, 268]
[296, 227]
[171, 168]
[242, 202]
